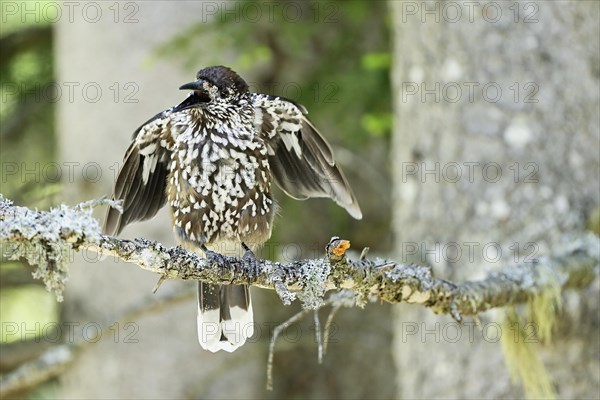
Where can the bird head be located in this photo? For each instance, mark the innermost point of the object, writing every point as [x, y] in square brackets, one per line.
[216, 84]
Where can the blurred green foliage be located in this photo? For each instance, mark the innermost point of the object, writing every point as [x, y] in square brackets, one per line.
[27, 136]
[333, 57]
[26, 311]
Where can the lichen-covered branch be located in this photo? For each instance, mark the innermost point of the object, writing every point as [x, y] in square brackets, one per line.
[26, 364]
[51, 363]
[42, 237]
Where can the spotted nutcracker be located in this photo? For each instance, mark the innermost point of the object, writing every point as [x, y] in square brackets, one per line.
[213, 158]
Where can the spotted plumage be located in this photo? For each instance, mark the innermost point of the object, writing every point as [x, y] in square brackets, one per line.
[213, 159]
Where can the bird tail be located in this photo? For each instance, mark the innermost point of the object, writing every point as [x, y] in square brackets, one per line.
[225, 317]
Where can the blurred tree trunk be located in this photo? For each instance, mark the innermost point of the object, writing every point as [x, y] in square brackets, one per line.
[517, 165]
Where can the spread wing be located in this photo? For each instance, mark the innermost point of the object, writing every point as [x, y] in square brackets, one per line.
[301, 160]
[142, 180]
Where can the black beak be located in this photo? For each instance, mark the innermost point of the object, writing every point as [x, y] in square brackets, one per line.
[197, 85]
[196, 98]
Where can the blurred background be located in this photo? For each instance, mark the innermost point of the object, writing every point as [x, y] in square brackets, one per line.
[469, 131]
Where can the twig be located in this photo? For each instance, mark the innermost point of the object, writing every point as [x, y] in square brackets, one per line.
[318, 337]
[328, 323]
[276, 332]
[343, 298]
[50, 364]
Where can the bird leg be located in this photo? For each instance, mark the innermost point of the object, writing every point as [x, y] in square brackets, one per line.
[250, 262]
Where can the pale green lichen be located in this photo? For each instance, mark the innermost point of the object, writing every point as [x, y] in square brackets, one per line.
[545, 305]
[152, 257]
[314, 283]
[286, 296]
[414, 296]
[343, 298]
[521, 354]
[47, 239]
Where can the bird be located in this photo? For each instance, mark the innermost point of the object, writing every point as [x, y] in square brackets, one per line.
[212, 159]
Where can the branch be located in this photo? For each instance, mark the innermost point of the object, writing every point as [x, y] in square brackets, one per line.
[30, 363]
[50, 364]
[44, 238]
[21, 351]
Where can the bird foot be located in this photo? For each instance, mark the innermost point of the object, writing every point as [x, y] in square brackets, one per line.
[214, 257]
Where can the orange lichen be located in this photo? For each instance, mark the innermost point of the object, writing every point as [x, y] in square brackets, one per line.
[341, 248]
